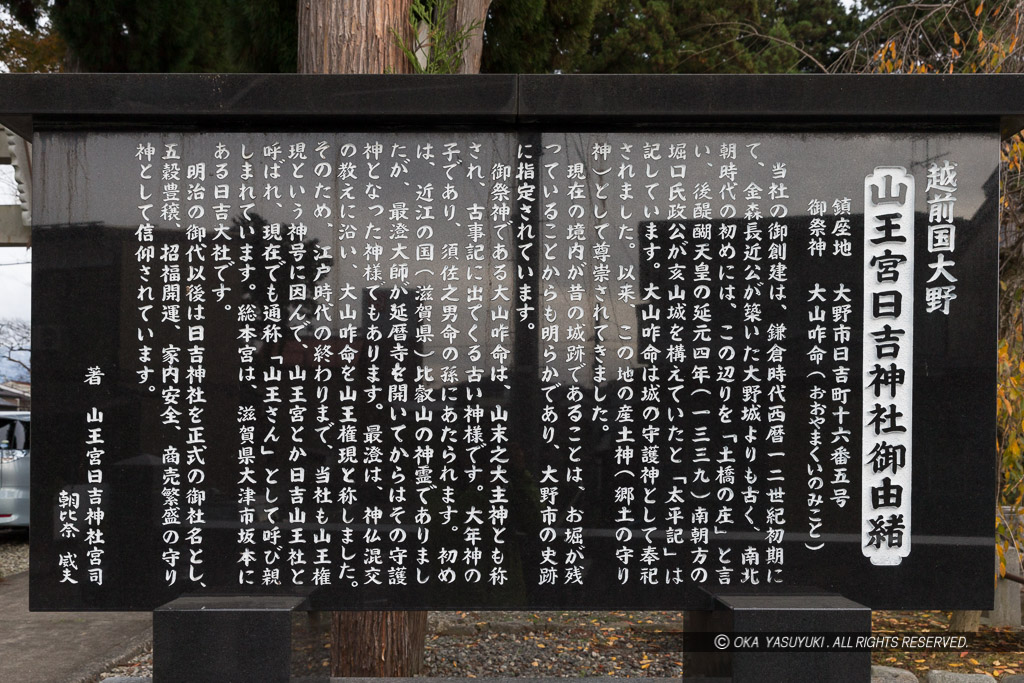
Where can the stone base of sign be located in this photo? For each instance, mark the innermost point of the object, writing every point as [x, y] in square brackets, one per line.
[891, 674]
[957, 677]
[1007, 609]
[769, 615]
[217, 639]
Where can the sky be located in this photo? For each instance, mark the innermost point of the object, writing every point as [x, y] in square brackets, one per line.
[15, 282]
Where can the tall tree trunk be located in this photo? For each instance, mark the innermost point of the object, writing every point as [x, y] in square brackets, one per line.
[468, 13]
[351, 37]
[378, 644]
[965, 621]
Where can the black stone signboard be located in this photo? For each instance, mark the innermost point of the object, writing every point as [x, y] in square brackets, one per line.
[513, 369]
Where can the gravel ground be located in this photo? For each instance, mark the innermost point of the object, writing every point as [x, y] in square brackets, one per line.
[13, 552]
[140, 666]
[553, 644]
[525, 644]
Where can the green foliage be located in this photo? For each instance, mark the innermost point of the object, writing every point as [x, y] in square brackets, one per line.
[442, 46]
[665, 36]
[166, 35]
[719, 36]
[122, 35]
[521, 36]
[673, 36]
[820, 28]
[537, 36]
[265, 36]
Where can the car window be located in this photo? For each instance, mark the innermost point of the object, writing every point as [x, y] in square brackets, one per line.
[14, 434]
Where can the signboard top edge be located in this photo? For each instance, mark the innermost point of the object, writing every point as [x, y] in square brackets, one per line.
[42, 100]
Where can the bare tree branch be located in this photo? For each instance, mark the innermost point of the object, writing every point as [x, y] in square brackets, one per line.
[938, 37]
[16, 342]
[748, 30]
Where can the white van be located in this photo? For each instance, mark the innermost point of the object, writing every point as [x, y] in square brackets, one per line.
[14, 469]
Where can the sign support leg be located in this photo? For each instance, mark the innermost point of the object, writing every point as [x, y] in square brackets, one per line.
[220, 639]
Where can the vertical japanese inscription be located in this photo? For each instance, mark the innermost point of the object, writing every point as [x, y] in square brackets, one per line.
[941, 196]
[888, 364]
[481, 369]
